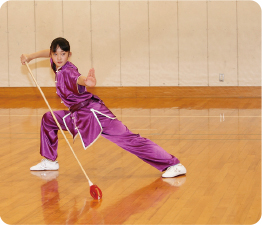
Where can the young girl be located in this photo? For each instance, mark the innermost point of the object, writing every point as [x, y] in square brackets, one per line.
[89, 117]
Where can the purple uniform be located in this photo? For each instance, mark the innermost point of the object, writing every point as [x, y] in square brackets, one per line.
[89, 119]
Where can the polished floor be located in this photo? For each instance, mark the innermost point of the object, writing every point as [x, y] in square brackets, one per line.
[218, 139]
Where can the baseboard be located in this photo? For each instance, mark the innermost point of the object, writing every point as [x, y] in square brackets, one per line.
[133, 92]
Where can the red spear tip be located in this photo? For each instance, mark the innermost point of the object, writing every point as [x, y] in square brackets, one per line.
[95, 192]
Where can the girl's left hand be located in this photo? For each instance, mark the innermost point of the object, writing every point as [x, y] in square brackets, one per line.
[24, 58]
[90, 80]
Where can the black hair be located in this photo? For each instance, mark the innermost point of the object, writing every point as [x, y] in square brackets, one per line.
[59, 42]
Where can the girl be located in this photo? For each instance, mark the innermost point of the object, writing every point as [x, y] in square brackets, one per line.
[89, 117]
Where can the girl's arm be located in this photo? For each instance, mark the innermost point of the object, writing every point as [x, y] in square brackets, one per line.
[89, 81]
[28, 57]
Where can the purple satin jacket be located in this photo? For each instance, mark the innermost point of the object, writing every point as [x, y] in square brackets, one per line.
[84, 121]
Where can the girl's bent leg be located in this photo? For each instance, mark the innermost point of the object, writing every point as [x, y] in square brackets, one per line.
[48, 134]
[143, 148]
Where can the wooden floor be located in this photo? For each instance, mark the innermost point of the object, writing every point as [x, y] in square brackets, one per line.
[216, 136]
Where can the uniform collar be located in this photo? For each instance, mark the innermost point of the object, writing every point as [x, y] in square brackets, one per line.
[64, 66]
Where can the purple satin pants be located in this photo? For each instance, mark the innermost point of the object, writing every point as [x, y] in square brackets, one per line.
[113, 130]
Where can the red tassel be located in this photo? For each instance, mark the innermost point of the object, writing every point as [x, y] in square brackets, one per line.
[95, 192]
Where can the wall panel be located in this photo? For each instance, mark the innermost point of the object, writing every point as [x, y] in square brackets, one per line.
[192, 43]
[49, 25]
[249, 43]
[134, 43]
[222, 43]
[4, 47]
[21, 39]
[163, 43]
[79, 36]
[106, 42]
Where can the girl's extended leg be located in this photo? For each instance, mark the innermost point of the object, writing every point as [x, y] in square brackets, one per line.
[145, 149]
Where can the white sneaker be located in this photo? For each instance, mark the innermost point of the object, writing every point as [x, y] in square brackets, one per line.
[46, 164]
[174, 171]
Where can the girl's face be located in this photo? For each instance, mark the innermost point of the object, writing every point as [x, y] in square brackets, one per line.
[60, 57]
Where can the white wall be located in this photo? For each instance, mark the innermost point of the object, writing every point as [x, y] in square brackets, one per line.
[136, 43]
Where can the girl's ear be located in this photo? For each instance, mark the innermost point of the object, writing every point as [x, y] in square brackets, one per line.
[69, 54]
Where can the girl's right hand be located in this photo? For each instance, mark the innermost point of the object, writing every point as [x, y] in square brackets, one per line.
[25, 58]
